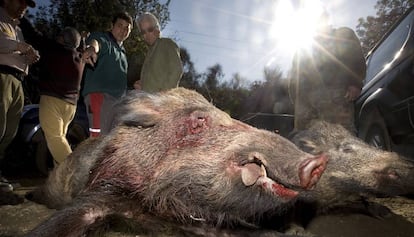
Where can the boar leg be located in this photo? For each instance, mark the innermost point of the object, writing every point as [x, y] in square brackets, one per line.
[85, 214]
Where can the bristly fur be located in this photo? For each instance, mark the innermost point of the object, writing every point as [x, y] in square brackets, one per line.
[175, 157]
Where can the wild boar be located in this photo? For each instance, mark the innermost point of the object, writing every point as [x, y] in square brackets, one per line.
[355, 172]
[176, 157]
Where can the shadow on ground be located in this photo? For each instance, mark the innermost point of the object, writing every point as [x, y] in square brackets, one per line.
[16, 220]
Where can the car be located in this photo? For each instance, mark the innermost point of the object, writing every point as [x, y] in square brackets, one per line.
[281, 124]
[29, 147]
[384, 112]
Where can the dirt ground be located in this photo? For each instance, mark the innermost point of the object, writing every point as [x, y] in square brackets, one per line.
[17, 220]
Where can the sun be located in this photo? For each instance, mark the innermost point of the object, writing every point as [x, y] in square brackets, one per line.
[294, 27]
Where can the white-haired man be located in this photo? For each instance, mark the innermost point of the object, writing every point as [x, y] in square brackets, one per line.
[162, 68]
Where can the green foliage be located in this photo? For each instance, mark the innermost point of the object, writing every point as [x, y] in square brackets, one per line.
[226, 95]
[190, 78]
[97, 16]
[371, 29]
[265, 96]
[212, 77]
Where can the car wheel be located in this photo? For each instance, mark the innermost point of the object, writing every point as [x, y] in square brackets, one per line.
[374, 131]
[76, 134]
[44, 160]
[376, 137]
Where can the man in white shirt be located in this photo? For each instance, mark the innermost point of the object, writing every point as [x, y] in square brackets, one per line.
[15, 58]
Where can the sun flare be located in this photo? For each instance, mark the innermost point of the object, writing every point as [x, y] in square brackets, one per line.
[294, 27]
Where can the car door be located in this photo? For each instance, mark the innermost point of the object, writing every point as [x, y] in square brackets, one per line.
[401, 83]
[399, 74]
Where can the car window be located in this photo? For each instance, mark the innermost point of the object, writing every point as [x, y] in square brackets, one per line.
[383, 56]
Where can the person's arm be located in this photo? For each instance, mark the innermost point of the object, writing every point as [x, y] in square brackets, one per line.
[174, 67]
[94, 48]
[94, 40]
[8, 44]
[90, 54]
[352, 56]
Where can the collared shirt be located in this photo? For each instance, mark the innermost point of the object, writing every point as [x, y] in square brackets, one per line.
[10, 36]
[109, 75]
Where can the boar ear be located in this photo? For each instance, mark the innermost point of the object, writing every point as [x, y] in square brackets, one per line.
[137, 110]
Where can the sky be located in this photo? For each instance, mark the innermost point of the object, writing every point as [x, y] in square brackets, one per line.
[246, 36]
[238, 34]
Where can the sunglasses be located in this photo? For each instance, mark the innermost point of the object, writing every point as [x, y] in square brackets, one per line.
[149, 30]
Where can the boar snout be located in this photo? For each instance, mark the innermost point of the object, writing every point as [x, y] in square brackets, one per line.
[309, 172]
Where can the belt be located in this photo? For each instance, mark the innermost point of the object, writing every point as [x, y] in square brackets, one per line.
[12, 71]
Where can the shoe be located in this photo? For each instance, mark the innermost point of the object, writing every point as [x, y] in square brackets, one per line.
[5, 185]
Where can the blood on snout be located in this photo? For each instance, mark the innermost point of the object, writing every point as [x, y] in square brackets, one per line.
[281, 191]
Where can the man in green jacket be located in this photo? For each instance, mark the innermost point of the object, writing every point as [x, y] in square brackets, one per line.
[162, 67]
[106, 82]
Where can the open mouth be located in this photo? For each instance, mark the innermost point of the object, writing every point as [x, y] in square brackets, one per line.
[255, 174]
[310, 170]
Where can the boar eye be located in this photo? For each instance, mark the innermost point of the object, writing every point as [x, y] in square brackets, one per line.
[346, 147]
[307, 146]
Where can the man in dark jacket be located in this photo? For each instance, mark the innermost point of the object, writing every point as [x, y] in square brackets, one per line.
[61, 74]
[326, 80]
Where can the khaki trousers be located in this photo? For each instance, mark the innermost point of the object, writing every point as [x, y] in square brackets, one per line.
[11, 105]
[55, 116]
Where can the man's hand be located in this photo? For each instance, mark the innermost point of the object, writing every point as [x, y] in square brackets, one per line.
[90, 55]
[137, 85]
[23, 47]
[352, 93]
[32, 56]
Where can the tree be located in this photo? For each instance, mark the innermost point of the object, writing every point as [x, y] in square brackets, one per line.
[96, 15]
[213, 76]
[226, 95]
[210, 81]
[190, 78]
[265, 96]
[236, 82]
[371, 29]
[233, 94]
